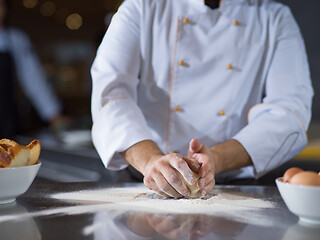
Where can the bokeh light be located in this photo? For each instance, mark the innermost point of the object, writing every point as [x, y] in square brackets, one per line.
[74, 21]
[29, 3]
[48, 8]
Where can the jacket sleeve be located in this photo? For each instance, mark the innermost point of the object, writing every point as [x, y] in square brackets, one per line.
[118, 123]
[276, 129]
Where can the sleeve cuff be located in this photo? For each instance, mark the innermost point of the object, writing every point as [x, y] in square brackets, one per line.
[118, 126]
[273, 135]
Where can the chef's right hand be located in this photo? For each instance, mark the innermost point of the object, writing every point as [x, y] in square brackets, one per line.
[161, 174]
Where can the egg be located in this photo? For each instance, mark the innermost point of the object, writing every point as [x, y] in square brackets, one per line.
[290, 173]
[306, 178]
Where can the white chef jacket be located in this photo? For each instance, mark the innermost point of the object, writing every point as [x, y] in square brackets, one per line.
[29, 72]
[173, 70]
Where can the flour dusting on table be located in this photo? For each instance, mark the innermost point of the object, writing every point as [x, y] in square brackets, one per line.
[232, 205]
[143, 199]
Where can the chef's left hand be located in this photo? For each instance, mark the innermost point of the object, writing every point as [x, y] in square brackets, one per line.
[206, 159]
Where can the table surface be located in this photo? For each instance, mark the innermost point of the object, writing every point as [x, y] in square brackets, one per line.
[37, 215]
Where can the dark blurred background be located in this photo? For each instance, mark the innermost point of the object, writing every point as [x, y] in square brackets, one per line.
[66, 34]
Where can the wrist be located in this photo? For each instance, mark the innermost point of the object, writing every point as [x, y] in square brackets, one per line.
[150, 160]
[141, 154]
[217, 158]
[230, 155]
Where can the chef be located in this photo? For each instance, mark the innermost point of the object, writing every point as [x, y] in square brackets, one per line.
[17, 58]
[221, 88]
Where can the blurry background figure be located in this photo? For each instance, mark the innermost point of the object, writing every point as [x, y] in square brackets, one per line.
[18, 60]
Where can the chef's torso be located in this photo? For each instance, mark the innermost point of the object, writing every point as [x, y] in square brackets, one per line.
[173, 70]
[218, 63]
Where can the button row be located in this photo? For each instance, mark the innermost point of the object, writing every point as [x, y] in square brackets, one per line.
[182, 63]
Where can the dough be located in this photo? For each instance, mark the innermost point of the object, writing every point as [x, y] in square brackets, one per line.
[193, 188]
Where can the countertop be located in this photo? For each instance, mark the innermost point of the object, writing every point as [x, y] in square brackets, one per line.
[38, 215]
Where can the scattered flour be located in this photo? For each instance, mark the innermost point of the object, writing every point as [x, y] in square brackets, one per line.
[232, 205]
[143, 199]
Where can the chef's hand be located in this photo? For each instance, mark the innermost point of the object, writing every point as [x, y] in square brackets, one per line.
[161, 174]
[206, 159]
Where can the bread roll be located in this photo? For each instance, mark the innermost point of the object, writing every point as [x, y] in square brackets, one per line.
[34, 148]
[14, 155]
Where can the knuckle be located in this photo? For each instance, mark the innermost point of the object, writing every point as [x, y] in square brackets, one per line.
[152, 171]
[161, 163]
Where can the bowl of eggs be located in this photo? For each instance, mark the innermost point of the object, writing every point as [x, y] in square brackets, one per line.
[300, 191]
[19, 166]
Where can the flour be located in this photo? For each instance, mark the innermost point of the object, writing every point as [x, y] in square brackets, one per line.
[231, 205]
[143, 199]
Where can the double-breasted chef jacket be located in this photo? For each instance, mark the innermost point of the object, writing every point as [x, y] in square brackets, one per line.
[173, 70]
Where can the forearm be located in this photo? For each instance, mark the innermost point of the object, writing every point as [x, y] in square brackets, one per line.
[141, 153]
[230, 155]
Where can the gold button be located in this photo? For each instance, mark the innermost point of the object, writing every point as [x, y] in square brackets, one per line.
[177, 108]
[222, 113]
[173, 152]
[229, 66]
[185, 20]
[235, 22]
[181, 63]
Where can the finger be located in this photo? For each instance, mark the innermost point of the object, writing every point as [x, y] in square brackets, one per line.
[208, 188]
[194, 146]
[202, 182]
[182, 167]
[193, 164]
[165, 187]
[153, 186]
[174, 179]
[205, 163]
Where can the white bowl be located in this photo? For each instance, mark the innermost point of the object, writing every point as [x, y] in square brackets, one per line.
[303, 201]
[16, 181]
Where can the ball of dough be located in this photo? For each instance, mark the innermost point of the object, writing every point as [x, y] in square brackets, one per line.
[193, 188]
